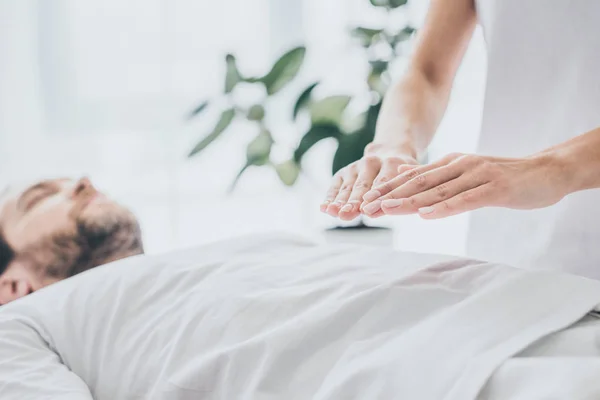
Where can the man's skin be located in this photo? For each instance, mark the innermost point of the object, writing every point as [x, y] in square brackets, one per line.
[35, 217]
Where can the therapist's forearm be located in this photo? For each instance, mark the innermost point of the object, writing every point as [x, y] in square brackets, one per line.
[411, 113]
[579, 158]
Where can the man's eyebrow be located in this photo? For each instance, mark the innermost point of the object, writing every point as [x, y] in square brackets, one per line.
[39, 185]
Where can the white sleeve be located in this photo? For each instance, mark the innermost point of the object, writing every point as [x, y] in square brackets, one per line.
[29, 369]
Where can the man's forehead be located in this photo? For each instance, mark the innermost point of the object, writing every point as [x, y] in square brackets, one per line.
[4, 196]
[17, 187]
[7, 190]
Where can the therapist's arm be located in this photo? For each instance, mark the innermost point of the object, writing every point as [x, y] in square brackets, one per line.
[413, 108]
[459, 183]
[579, 158]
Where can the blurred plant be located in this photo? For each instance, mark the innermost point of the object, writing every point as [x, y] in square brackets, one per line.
[329, 117]
[258, 151]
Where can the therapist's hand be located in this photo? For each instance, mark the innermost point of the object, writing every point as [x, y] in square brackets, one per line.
[459, 183]
[379, 165]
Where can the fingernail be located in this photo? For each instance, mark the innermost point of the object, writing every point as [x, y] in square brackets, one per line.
[426, 210]
[347, 208]
[373, 207]
[334, 208]
[324, 205]
[392, 203]
[372, 195]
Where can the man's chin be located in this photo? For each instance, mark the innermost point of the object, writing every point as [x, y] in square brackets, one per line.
[106, 215]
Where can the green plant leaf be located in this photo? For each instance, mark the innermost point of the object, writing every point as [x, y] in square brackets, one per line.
[349, 150]
[329, 110]
[315, 134]
[371, 121]
[402, 36]
[253, 80]
[409, 30]
[366, 36]
[257, 154]
[198, 110]
[352, 147]
[380, 3]
[304, 99]
[224, 122]
[232, 76]
[397, 3]
[259, 149]
[288, 172]
[378, 82]
[238, 177]
[379, 66]
[256, 113]
[284, 70]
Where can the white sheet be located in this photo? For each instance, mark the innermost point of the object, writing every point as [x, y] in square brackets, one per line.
[274, 317]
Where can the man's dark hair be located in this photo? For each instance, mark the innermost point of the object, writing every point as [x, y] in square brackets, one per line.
[6, 254]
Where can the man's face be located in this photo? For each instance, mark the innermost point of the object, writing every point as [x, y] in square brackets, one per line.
[34, 217]
[32, 213]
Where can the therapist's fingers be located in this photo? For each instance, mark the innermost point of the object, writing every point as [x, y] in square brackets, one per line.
[376, 213]
[388, 172]
[438, 193]
[408, 174]
[419, 180]
[405, 168]
[409, 183]
[391, 168]
[470, 200]
[426, 181]
[379, 191]
[369, 169]
[348, 179]
[332, 192]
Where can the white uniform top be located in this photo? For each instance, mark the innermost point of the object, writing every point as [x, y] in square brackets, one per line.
[543, 88]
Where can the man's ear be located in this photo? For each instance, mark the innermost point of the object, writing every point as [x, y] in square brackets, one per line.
[15, 283]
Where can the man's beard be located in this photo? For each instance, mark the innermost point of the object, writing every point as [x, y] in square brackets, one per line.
[97, 222]
[98, 226]
[104, 234]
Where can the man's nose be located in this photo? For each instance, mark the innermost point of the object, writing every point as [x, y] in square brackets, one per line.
[83, 185]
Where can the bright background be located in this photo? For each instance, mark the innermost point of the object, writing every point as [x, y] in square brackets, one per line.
[101, 88]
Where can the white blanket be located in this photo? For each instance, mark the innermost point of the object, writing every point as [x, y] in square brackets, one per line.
[281, 318]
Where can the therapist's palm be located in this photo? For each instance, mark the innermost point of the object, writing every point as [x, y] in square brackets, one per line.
[459, 183]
